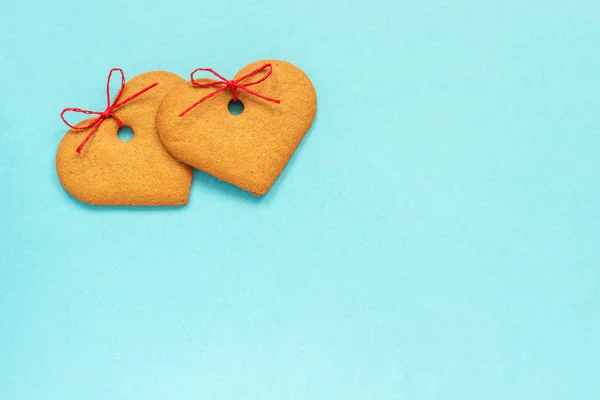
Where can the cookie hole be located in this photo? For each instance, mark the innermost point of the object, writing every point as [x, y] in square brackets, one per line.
[235, 107]
[125, 134]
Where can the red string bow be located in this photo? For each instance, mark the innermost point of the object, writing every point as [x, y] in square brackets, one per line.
[108, 112]
[234, 85]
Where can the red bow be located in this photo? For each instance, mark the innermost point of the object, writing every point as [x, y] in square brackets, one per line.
[230, 84]
[108, 112]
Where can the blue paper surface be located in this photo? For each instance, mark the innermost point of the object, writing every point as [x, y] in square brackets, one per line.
[435, 236]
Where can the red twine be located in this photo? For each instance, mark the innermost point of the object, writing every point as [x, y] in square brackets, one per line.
[108, 112]
[234, 85]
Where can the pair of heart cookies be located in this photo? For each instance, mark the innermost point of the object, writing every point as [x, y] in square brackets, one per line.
[180, 125]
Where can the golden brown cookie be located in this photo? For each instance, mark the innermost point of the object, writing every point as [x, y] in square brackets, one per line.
[249, 150]
[139, 172]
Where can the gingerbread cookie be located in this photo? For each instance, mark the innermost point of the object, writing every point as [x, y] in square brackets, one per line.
[249, 150]
[96, 167]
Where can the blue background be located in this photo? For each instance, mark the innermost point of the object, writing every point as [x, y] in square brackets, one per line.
[435, 236]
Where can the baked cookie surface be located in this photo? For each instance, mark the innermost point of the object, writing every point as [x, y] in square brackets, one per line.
[249, 150]
[138, 172]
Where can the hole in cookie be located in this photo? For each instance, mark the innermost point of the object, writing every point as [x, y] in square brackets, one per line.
[125, 134]
[235, 107]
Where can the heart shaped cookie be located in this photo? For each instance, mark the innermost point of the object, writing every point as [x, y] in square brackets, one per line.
[249, 150]
[108, 171]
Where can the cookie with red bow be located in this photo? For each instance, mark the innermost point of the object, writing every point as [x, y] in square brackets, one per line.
[97, 167]
[250, 149]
